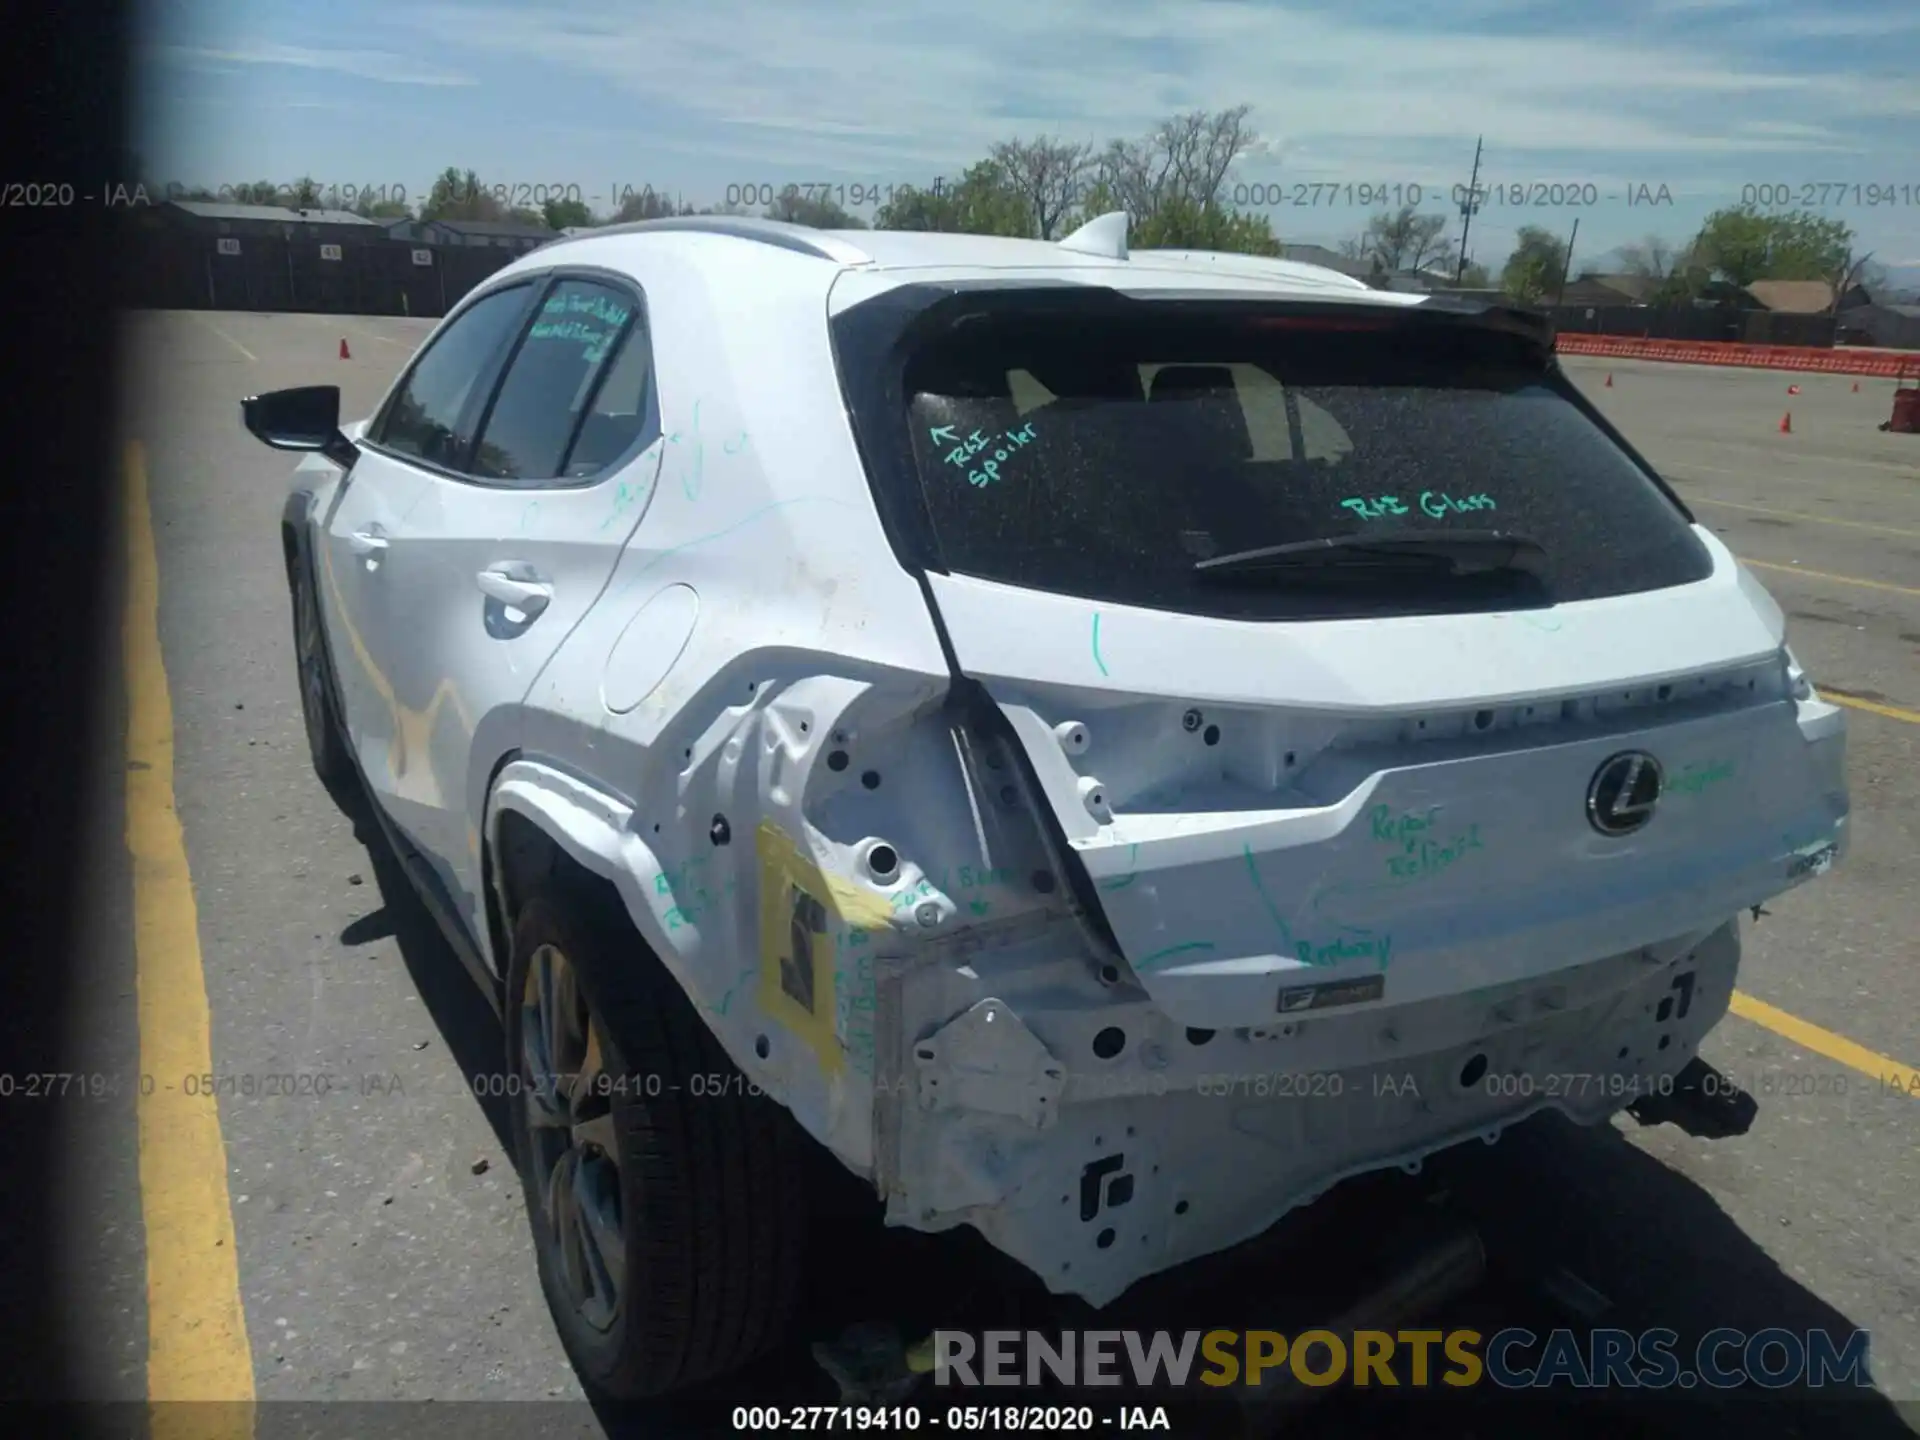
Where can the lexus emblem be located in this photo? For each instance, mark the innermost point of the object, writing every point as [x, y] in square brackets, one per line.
[1623, 792]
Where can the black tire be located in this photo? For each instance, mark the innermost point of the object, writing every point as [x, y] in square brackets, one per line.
[326, 742]
[712, 1200]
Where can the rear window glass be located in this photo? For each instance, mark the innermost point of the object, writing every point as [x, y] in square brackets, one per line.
[551, 381]
[1106, 459]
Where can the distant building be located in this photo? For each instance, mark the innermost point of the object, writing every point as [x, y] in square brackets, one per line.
[511, 235]
[274, 222]
[1596, 289]
[1895, 327]
[1424, 281]
[1803, 297]
[1332, 260]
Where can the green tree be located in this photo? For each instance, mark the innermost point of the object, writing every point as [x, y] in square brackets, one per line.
[566, 214]
[983, 202]
[1475, 277]
[646, 203]
[1743, 244]
[796, 207]
[1183, 224]
[384, 209]
[521, 215]
[458, 196]
[1533, 272]
[256, 192]
[1807, 246]
[303, 194]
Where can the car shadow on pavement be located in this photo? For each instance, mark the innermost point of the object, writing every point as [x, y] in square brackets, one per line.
[1646, 1248]
[1650, 1249]
[461, 1013]
[1552, 1200]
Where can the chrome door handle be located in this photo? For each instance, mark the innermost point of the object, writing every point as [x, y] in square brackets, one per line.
[529, 596]
[366, 542]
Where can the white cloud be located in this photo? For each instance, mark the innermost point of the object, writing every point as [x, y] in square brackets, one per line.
[1878, 25]
[902, 86]
[363, 64]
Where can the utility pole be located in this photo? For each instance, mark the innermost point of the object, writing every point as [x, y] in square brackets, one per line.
[1567, 264]
[1469, 203]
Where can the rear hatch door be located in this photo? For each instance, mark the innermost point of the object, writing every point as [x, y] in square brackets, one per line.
[1357, 659]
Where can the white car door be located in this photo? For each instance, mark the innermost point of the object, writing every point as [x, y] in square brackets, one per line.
[503, 558]
[360, 561]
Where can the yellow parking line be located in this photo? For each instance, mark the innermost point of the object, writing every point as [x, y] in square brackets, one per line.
[1808, 1036]
[1802, 515]
[1829, 575]
[1872, 707]
[196, 1329]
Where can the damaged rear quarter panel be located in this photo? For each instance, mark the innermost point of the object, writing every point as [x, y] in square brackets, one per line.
[747, 782]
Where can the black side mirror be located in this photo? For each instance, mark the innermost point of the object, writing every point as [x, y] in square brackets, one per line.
[304, 418]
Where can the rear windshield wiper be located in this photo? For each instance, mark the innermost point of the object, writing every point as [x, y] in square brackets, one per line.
[1439, 554]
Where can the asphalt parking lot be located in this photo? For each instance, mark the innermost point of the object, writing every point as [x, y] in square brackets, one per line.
[369, 1243]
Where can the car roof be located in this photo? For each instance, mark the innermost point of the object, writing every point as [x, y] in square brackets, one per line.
[1095, 254]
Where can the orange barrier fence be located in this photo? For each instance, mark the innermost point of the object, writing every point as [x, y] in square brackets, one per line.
[1763, 357]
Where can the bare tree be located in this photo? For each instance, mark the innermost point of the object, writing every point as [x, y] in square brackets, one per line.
[1403, 240]
[1877, 282]
[1184, 161]
[1846, 275]
[1654, 258]
[1047, 175]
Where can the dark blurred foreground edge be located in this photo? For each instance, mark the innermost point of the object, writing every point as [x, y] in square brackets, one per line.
[66, 108]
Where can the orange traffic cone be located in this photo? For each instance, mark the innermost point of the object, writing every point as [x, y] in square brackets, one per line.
[1786, 423]
[344, 355]
[1793, 389]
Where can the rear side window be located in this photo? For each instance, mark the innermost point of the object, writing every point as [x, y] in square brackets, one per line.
[1107, 458]
[430, 417]
[581, 331]
[622, 412]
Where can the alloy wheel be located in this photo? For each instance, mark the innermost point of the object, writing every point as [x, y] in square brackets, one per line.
[574, 1153]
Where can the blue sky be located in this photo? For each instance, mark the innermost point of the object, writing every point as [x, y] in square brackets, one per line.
[1704, 97]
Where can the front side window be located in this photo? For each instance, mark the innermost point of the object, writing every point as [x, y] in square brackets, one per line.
[1110, 458]
[430, 416]
[582, 333]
